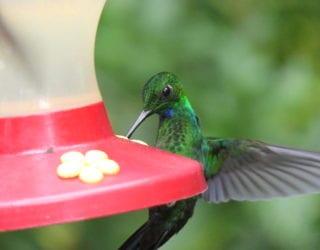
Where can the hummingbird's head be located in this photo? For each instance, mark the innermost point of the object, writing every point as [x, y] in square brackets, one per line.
[161, 92]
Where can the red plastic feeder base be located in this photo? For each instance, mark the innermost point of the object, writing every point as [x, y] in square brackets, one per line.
[31, 193]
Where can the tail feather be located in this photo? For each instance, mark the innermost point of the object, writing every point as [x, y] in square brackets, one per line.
[147, 237]
[163, 222]
[134, 241]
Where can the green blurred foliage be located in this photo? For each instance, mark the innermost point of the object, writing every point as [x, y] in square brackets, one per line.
[250, 69]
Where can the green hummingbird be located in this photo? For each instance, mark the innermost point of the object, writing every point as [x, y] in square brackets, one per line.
[235, 169]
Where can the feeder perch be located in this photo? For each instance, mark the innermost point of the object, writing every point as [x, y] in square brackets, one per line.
[50, 104]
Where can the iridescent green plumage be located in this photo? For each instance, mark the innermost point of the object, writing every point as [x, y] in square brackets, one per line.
[235, 169]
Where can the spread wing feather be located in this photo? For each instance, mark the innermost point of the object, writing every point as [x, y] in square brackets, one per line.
[245, 170]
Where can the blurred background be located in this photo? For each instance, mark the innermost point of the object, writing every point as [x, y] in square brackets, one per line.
[250, 69]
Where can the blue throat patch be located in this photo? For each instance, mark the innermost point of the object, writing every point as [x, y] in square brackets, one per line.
[169, 113]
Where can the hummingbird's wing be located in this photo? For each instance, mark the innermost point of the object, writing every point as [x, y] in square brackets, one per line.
[246, 170]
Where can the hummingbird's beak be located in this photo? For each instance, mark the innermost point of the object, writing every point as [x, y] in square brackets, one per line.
[144, 114]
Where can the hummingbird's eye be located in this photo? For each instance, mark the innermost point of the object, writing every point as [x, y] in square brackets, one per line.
[167, 91]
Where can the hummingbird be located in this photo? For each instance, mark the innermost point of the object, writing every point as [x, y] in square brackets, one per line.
[235, 169]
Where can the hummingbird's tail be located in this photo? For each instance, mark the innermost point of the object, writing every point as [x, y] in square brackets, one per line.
[133, 242]
[164, 221]
[143, 239]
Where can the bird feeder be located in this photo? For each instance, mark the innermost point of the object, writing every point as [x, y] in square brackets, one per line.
[50, 104]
